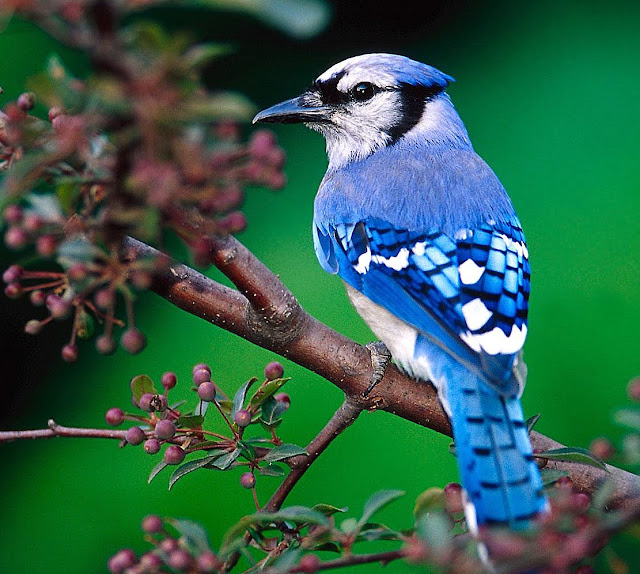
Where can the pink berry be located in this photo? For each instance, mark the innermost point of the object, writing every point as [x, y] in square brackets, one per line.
[151, 446]
[13, 290]
[169, 380]
[633, 389]
[174, 455]
[602, 448]
[165, 429]
[146, 402]
[12, 274]
[133, 341]
[58, 307]
[242, 418]
[207, 562]
[26, 101]
[248, 480]
[135, 436]
[151, 562]
[70, 353]
[201, 376]
[46, 245]
[273, 370]
[33, 327]
[179, 560]
[119, 562]
[12, 214]
[207, 391]
[15, 238]
[453, 497]
[152, 524]
[105, 345]
[37, 298]
[309, 564]
[114, 417]
[77, 272]
[282, 398]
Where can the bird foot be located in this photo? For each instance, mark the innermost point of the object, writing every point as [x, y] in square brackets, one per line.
[380, 358]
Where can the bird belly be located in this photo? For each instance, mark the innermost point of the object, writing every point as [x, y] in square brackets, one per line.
[398, 336]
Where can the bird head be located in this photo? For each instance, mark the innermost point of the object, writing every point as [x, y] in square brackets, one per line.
[369, 102]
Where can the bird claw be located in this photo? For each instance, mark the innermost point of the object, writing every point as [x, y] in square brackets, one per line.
[380, 358]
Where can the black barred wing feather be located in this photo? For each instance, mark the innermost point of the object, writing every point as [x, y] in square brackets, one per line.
[470, 291]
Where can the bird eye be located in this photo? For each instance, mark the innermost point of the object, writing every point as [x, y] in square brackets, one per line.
[363, 91]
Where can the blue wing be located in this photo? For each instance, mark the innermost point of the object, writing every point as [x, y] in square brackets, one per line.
[468, 294]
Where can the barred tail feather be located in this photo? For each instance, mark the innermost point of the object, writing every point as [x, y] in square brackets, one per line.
[497, 468]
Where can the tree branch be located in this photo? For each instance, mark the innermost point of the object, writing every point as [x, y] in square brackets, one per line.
[343, 418]
[56, 430]
[267, 314]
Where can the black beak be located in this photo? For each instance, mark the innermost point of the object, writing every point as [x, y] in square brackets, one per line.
[294, 111]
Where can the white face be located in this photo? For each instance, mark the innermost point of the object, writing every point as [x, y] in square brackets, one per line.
[357, 129]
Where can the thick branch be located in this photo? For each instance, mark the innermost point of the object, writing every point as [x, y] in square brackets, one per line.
[270, 317]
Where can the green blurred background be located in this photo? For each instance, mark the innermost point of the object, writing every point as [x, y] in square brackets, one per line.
[550, 93]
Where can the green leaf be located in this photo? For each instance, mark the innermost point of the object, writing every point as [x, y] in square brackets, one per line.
[435, 529]
[628, 417]
[84, 325]
[284, 562]
[328, 547]
[300, 19]
[531, 422]
[141, 385]
[272, 411]
[238, 399]
[266, 390]
[271, 470]
[349, 525]
[193, 534]
[603, 495]
[328, 509]
[378, 501]
[283, 451]
[156, 470]
[221, 105]
[201, 54]
[430, 500]
[226, 406]
[573, 454]
[190, 466]
[371, 531]
[190, 421]
[296, 514]
[551, 475]
[225, 461]
[299, 515]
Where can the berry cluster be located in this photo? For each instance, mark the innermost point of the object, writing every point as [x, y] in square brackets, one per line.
[139, 149]
[184, 434]
[561, 540]
[173, 551]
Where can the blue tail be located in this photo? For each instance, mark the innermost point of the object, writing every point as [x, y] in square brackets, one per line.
[497, 468]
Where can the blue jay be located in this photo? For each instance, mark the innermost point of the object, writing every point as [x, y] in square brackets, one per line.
[434, 259]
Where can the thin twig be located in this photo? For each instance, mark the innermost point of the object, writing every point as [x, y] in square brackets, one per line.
[343, 418]
[56, 430]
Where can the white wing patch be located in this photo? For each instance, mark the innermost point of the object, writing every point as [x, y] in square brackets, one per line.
[363, 262]
[476, 314]
[397, 262]
[495, 342]
[470, 272]
[520, 248]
